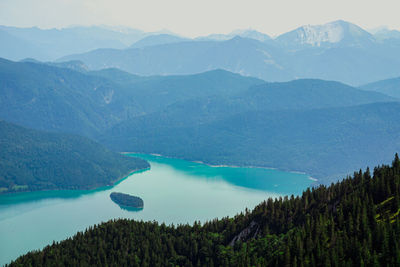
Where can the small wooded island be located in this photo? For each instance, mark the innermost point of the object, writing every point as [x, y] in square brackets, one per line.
[126, 200]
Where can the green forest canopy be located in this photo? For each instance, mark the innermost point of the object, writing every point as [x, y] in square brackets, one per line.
[36, 160]
[354, 222]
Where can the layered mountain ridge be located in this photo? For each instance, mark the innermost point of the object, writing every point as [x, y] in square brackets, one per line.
[217, 117]
[338, 51]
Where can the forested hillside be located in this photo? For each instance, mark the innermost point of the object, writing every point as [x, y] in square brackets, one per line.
[351, 223]
[325, 143]
[45, 97]
[217, 116]
[35, 160]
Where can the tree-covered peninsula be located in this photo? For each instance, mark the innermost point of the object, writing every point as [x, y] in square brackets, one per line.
[35, 160]
[354, 222]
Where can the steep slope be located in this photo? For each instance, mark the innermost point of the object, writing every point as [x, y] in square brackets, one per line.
[351, 223]
[389, 87]
[117, 75]
[35, 160]
[58, 99]
[306, 94]
[294, 95]
[50, 98]
[73, 65]
[156, 93]
[240, 55]
[325, 143]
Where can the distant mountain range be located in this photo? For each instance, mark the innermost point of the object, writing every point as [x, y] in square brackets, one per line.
[158, 39]
[249, 33]
[50, 44]
[321, 99]
[334, 34]
[390, 87]
[320, 127]
[385, 33]
[240, 55]
[338, 51]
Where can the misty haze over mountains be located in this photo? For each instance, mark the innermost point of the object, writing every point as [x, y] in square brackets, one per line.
[83, 107]
[163, 93]
[217, 116]
[338, 51]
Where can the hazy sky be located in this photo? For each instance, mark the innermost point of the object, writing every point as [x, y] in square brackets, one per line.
[199, 17]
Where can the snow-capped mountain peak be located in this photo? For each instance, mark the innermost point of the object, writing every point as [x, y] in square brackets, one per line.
[315, 35]
[329, 33]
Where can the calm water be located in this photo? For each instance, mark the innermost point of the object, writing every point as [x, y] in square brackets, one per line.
[174, 191]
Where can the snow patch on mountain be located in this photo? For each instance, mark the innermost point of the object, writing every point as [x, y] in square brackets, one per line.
[329, 33]
[315, 35]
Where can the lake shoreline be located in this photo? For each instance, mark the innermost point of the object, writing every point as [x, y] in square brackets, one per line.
[175, 191]
[97, 188]
[315, 180]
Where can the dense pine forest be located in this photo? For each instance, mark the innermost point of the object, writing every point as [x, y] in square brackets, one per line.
[32, 160]
[354, 222]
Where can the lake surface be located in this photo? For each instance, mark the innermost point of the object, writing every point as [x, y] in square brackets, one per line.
[173, 191]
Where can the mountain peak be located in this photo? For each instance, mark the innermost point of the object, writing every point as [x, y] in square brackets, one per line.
[158, 39]
[330, 33]
[252, 34]
[243, 33]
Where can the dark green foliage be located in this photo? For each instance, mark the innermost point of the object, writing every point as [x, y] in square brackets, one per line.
[350, 223]
[57, 99]
[35, 160]
[306, 94]
[126, 200]
[217, 117]
[325, 143]
[46, 97]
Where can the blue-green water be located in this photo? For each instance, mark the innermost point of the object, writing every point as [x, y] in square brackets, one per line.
[173, 190]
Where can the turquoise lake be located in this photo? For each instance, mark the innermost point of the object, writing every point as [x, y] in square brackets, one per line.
[173, 191]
